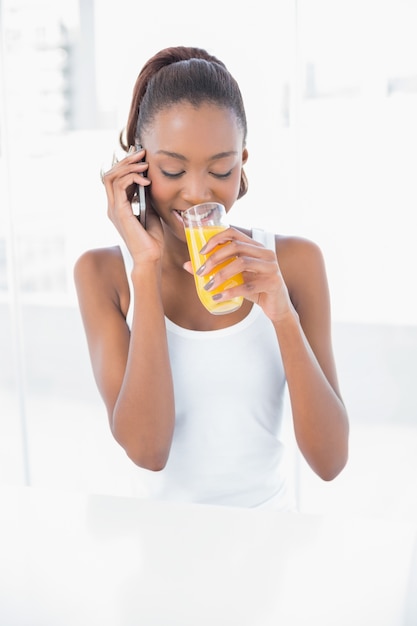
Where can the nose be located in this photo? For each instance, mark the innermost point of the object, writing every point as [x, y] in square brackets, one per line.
[196, 190]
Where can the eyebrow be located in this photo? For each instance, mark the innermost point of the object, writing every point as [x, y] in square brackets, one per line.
[181, 157]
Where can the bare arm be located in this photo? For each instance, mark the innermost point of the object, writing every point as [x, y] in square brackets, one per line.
[132, 369]
[304, 335]
[144, 414]
[293, 293]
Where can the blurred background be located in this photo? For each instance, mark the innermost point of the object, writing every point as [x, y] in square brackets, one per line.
[331, 94]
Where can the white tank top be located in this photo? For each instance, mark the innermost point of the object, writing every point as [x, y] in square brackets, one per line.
[229, 387]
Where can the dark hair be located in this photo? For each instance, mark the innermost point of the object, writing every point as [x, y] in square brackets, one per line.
[182, 74]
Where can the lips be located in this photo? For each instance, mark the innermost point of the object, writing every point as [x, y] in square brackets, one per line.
[178, 215]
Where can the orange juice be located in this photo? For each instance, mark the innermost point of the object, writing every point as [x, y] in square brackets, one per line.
[197, 237]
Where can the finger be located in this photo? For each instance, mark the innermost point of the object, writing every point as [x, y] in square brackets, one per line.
[123, 189]
[118, 182]
[255, 288]
[188, 267]
[245, 256]
[230, 235]
[119, 171]
[253, 271]
[133, 157]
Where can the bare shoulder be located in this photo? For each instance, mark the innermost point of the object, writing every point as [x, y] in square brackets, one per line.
[95, 259]
[296, 251]
[100, 273]
[99, 264]
[302, 265]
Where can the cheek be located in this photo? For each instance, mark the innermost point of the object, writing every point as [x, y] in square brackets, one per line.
[159, 190]
[235, 185]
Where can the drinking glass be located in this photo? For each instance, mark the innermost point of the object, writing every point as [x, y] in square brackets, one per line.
[201, 222]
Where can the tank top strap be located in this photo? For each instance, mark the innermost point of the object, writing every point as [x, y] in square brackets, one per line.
[264, 237]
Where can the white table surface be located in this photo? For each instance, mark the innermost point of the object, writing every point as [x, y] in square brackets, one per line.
[68, 559]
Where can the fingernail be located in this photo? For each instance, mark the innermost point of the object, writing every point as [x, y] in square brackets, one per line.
[131, 149]
[202, 251]
[209, 285]
[217, 296]
[201, 269]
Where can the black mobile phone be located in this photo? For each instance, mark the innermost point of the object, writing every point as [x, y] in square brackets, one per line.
[139, 208]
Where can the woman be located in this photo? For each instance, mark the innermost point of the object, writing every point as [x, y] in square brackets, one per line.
[196, 397]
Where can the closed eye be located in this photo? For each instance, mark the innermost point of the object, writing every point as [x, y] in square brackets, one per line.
[178, 174]
[226, 175]
[172, 174]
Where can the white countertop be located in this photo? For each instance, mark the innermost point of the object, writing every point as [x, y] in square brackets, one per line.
[68, 559]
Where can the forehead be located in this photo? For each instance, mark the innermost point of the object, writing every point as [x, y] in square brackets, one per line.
[184, 124]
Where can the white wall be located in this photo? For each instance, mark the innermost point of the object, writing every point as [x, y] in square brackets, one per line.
[337, 166]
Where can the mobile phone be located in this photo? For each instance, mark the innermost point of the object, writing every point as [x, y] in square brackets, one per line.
[139, 208]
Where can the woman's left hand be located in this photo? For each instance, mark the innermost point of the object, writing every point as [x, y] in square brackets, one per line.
[263, 280]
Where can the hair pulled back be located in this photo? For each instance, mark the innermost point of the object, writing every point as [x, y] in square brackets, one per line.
[182, 74]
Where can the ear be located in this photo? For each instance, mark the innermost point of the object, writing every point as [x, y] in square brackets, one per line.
[245, 155]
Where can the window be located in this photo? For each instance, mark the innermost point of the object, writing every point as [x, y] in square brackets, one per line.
[331, 95]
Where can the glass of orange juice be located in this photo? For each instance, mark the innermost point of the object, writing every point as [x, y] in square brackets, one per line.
[201, 222]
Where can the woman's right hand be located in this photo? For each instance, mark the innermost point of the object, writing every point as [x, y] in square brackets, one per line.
[143, 245]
